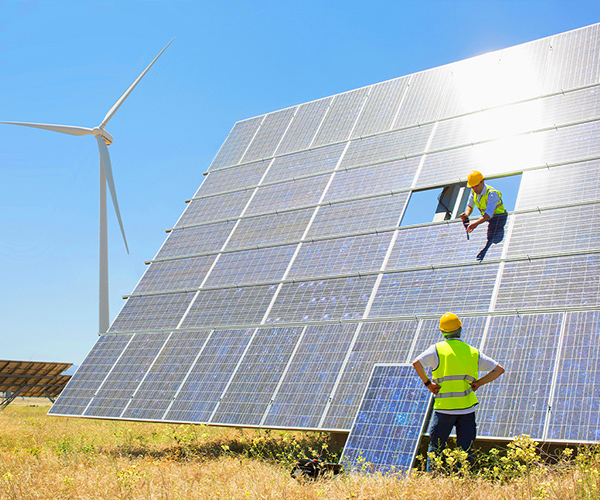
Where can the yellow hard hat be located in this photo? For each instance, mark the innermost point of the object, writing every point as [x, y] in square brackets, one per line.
[474, 178]
[450, 322]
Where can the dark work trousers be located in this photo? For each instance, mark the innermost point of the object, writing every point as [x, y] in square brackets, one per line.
[440, 429]
[495, 232]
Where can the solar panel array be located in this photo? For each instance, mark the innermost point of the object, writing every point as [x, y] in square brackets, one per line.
[32, 379]
[290, 274]
[388, 427]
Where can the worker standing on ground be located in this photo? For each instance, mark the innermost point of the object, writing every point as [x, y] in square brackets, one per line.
[489, 202]
[455, 378]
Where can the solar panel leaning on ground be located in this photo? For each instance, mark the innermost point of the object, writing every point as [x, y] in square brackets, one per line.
[388, 427]
[289, 275]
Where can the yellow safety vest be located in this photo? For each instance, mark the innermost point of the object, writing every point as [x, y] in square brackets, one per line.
[481, 200]
[458, 367]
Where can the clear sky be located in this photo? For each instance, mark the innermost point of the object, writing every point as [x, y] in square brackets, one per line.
[67, 62]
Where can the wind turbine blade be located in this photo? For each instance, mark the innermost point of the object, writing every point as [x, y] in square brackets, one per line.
[117, 104]
[65, 129]
[105, 165]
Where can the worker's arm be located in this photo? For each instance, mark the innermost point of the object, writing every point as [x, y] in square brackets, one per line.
[471, 227]
[421, 373]
[493, 375]
[468, 211]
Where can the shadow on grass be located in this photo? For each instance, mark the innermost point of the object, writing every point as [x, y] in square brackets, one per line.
[275, 449]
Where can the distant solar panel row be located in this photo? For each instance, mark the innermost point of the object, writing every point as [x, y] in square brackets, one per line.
[287, 277]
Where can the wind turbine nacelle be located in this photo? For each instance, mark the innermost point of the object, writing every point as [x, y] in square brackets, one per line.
[108, 139]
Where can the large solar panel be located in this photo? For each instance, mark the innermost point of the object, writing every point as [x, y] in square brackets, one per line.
[390, 422]
[292, 272]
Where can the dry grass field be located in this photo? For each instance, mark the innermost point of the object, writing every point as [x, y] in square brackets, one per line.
[45, 457]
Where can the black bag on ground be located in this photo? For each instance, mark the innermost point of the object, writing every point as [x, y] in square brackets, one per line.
[314, 468]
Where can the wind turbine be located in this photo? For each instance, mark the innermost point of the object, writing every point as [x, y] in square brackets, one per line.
[104, 139]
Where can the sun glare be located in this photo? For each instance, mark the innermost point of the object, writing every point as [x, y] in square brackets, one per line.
[498, 129]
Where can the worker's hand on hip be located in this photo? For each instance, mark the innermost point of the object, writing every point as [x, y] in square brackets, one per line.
[476, 385]
[433, 387]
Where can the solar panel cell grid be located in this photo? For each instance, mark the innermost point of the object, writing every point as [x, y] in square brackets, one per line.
[394, 145]
[304, 126]
[381, 107]
[251, 266]
[256, 379]
[195, 240]
[518, 118]
[288, 195]
[230, 179]
[305, 391]
[152, 312]
[383, 212]
[208, 378]
[268, 135]
[425, 98]
[178, 274]
[526, 346]
[575, 409]
[324, 300]
[341, 116]
[81, 388]
[122, 381]
[237, 141]
[575, 183]
[341, 256]
[440, 245]
[376, 179]
[229, 306]
[574, 60]
[160, 385]
[552, 231]
[375, 343]
[270, 229]
[214, 208]
[550, 283]
[388, 427]
[305, 163]
[435, 291]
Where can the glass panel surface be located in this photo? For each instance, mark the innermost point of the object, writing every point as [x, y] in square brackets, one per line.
[229, 306]
[390, 422]
[254, 383]
[83, 385]
[195, 240]
[341, 116]
[303, 396]
[208, 378]
[324, 300]
[269, 135]
[304, 126]
[159, 387]
[376, 343]
[117, 389]
[236, 143]
[550, 283]
[526, 347]
[341, 256]
[435, 291]
[152, 312]
[575, 409]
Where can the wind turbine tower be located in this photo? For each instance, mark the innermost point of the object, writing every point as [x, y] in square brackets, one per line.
[104, 139]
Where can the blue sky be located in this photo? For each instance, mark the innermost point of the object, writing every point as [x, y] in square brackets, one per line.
[67, 62]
